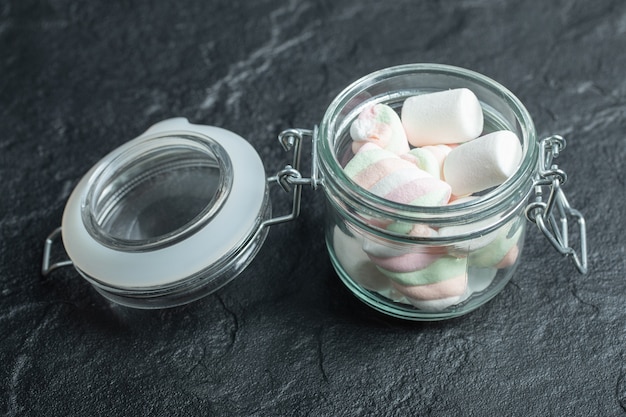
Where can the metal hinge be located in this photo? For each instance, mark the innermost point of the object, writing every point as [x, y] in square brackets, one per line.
[551, 214]
[289, 178]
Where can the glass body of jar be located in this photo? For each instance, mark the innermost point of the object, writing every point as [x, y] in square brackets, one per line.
[416, 262]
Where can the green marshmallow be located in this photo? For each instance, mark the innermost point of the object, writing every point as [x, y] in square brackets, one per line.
[364, 159]
[385, 114]
[400, 228]
[442, 269]
[426, 161]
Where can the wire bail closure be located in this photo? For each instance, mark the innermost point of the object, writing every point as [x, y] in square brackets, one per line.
[289, 178]
[46, 266]
[551, 215]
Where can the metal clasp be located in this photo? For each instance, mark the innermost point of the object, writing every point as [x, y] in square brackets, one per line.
[551, 215]
[46, 267]
[289, 178]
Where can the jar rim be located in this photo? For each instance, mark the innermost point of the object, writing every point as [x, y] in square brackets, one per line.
[335, 178]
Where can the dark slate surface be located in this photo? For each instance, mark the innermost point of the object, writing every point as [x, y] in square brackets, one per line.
[79, 78]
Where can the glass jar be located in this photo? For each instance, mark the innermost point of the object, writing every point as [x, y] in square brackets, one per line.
[178, 212]
[414, 262]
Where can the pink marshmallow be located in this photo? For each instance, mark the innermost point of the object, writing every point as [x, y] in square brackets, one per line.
[435, 287]
[379, 124]
[384, 248]
[421, 191]
[509, 259]
[387, 175]
[407, 262]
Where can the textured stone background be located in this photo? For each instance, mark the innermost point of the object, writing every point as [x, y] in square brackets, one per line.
[79, 78]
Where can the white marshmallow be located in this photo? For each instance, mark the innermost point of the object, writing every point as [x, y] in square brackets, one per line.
[463, 247]
[357, 264]
[359, 267]
[444, 117]
[482, 163]
[435, 305]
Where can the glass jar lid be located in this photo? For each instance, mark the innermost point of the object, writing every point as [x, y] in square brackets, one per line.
[177, 203]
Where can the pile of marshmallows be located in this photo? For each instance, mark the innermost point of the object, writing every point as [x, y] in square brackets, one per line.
[433, 155]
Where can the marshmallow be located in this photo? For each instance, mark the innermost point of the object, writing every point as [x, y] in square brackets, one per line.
[412, 229]
[407, 262]
[478, 280]
[356, 264]
[482, 163]
[394, 295]
[439, 285]
[360, 269]
[509, 259]
[379, 124]
[450, 116]
[461, 200]
[462, 247]
[443, 269]
[452, 287]
[376, 247]
[435, 173]
[435, 305]
[387, 175]
[429, 158]
[500, 253]
[403, 258]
